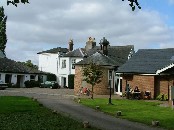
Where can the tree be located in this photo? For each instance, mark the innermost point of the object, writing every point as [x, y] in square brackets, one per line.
[133, 3]
[15, 2]
[3, 36]
[30, 64]
[92, 74]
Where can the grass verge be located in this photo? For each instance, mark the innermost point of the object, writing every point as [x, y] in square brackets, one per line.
[21, 113]
[135, 110]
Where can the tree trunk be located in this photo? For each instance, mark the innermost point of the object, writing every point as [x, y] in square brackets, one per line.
[92, 92]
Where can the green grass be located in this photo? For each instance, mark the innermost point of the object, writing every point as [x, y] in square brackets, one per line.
[21, 113]
[135, 110]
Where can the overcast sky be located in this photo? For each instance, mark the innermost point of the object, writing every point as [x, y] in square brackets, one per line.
[46, 24]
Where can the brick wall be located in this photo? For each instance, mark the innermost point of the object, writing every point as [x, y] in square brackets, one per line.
[100, 89]
[144, 83]
[156, 84]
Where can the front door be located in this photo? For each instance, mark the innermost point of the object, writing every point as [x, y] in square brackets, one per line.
[118, 84]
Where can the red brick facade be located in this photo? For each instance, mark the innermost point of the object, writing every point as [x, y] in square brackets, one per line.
[101, 88]
[155, 84]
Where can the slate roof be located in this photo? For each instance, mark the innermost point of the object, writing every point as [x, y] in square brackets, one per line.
[80, 52]
[55, 50]
[149, 61]
[116, 53]
[11, 66]
[2, 55]
[99, 59]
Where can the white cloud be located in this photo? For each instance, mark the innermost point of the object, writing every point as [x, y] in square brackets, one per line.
[46, 24]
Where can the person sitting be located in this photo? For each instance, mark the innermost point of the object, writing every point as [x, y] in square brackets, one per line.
[136, 93]
[136, 89]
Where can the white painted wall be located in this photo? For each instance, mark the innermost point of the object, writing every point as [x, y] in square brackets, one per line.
[53, 63]
[24, 77]
[48, 62]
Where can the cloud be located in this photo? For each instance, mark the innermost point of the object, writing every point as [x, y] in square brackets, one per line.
[171, 1]
[44, 24]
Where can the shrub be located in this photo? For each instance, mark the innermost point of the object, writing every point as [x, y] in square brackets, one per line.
[31, 83]
[162, 97]
[51, 77]
[71, 81]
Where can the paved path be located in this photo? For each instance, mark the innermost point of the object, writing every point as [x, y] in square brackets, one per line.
[61, 100]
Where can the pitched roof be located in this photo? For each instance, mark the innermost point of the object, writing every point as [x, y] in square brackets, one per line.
[149, 61]
[2, 55]
[76, 53]
[117, 53]
[11, 66]
[99, 59]
[55, 50]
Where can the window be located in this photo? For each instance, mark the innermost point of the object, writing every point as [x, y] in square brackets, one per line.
[73, 62]
[0, 76]
[32, 77]
[63, 63]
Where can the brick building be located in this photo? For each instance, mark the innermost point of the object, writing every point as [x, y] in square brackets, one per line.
[151, 70]
[109, 58]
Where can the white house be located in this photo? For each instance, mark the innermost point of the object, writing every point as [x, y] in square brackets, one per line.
[59, 61]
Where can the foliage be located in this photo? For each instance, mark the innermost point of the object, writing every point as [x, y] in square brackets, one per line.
[31, 84]
[142, 111]
[71, 81]
[92, 74]
[16, 2]
[51, 77]
[21, 113]
[3, 36]
[162, 97]
[133, 3]
[30, 64]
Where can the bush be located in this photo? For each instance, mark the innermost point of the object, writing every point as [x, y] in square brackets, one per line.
[162, 97]
[71, 81]
[31, 84]
[51, 77]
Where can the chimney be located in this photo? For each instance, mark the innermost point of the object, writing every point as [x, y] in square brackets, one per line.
[104, 46]
[90, 44]
[70, 45]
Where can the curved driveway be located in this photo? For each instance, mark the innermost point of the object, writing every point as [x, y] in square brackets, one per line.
[61, 100]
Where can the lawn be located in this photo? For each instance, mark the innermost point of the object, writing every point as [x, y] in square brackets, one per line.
[135, 110]
[21, 113]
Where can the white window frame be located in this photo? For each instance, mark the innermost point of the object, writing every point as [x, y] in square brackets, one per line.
[73, 62]
[64, 63]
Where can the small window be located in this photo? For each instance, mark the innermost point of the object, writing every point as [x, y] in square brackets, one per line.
[63, 63]
[32, 77]
[0, 76]
[73, 62]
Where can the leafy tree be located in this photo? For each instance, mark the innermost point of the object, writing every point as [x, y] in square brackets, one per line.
[15, 2]
[92, 74]
[133, 3]
[3, 36]
[30, 64]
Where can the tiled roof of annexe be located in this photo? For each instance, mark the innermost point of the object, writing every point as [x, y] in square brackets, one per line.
[148, 61]
[11, 66]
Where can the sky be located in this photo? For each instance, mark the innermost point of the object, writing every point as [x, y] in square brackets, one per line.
[47, 24]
